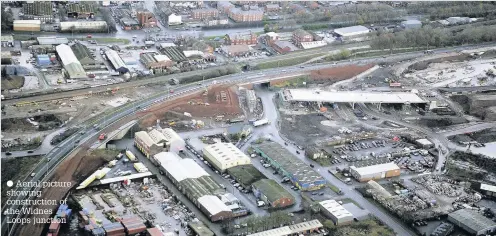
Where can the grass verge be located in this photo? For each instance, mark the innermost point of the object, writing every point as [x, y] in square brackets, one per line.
[16, 169]
[286, 62]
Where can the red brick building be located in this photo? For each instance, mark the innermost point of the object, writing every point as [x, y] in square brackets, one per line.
[238, 39]
[204, 13]
[283, 47]
[300, 36]
[272, 7]
[239, 15]
[146, 19]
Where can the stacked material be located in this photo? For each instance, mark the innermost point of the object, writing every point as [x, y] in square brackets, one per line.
[140, 167]
[154, 232]
[114, 229]
[133, 225]
[54, 228]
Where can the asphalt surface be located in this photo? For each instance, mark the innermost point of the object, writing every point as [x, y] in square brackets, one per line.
[43, 149]
[58, 154]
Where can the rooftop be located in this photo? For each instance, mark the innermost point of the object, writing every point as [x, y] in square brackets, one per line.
[272, 190]
[488, 187]
[236, 48]
[375, 168]
[225, 152]
[81, 51]
[289, 163]
[308, 95]
[199, 187]
[200, 229]
[81, 7]
[472, 219]
[333, 207]
[184, 169]
[246, 174]
[283, 44]
[213, 204]
[352, 31]
[291, 230]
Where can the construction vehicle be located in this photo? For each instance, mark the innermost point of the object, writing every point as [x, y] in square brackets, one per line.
[59, 81]
[172, 123]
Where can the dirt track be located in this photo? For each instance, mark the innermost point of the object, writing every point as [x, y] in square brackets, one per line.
[339, 73]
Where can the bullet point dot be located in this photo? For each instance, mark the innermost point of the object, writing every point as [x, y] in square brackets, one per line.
[10, 183]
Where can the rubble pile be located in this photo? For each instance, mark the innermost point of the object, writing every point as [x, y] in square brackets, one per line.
[439, 185]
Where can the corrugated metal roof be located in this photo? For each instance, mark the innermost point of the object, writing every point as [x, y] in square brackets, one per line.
[213, 204]
[352, 30]
[157, 136]
[170, 134]
[52, 40]
[375, 168]
[471, 219]
[292, 229]
[115, 59]
[226, 152]
[144, 137]
[183, 169]
[27, 22]
[334, 208]
[66, 55]
[166, 157]
[488, 187]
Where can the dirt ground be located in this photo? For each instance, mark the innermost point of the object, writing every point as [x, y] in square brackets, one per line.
[45, 122]
[74, 169]
[221, 100]
[339, 73]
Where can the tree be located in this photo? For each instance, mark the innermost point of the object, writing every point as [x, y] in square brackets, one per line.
[7, 19]
[266, 28]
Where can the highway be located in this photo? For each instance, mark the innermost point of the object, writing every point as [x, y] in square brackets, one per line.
[61, 151]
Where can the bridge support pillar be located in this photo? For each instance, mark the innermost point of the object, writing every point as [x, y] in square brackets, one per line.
[353, 105]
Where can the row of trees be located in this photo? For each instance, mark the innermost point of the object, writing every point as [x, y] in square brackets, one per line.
[107, 17]
[428, 37]
[7, 19]
[440, 10]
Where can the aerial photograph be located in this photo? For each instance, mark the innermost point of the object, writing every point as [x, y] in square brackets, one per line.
[248, 118]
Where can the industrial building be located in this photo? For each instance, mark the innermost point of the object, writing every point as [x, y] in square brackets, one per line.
[373, 172]
[225, 155]
[129, 24]
[302, 176]
[155, 61]
[146, 144]
[81, 10]
[378, 189]
[238, 38]
[245, 175]
[116, 61]
[73, 68]
[304, 228]
[43, 60]
[352, 32]
[6, 58]
[37, 10]
[411, 24]
[273, 194]
[52, 40]
[337, 213]
[83, 54]
[283, 46]
[351, 97]
[486, 189]
[155, 141]
[473, 222]
[146, 19]
[299, 36]
[83, 26]
[7, 40]
[174, 142]
[424, 143]
[236, 50]
[27, 25]
[196, 184]
[174, 19]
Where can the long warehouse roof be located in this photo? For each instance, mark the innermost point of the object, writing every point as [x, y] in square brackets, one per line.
[367, 170]
[213, 204]
[307, 95]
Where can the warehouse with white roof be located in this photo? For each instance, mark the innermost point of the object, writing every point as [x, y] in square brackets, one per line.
[195, 183]
[73, 68]
[380, 171]
[116, 61]
[174, 142]
[303, 228]
[352, 31]
[337, 213]
[214, 208]
[225, 155]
